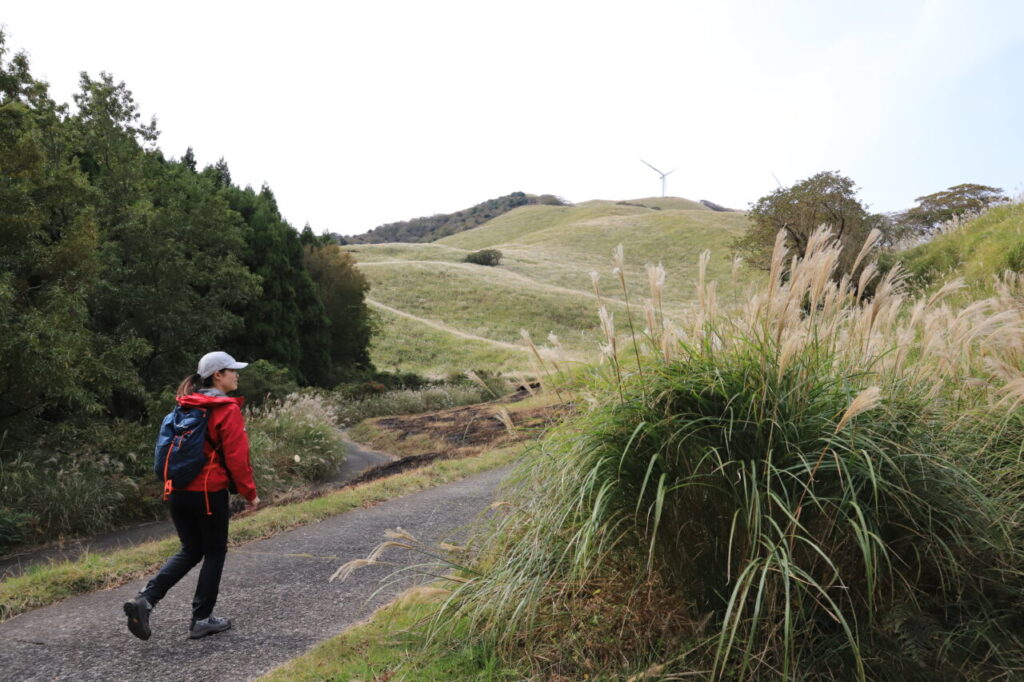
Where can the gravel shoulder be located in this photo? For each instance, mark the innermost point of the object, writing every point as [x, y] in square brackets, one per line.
[276, 591]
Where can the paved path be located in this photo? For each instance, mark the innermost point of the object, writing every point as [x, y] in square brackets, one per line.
[275, 591]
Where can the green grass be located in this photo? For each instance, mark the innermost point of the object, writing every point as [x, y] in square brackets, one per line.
[512, 226]
[977, 251]
[544, 283]
[390, 646]
[485, 303]
[368, 253]
[404, 345]
[43, 585]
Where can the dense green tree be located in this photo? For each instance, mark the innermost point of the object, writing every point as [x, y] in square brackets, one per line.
[309, 238]
[117, 269]
[935, 209]
[430, 228]
[826, 198]
[286, 324]
[53, 365]
[342, 288]
[169, 242]
[189, 160]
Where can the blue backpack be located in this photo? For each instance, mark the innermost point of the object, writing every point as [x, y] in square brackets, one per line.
[180, 453]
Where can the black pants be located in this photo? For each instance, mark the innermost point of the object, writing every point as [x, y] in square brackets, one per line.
[204, 537]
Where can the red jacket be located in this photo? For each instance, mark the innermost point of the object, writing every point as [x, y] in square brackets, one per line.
[225, 429]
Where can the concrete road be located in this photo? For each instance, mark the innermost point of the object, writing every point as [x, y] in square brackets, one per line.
[275, 591]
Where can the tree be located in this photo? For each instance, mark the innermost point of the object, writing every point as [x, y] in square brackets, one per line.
[342, 288]
[827, 198]
[53, 364]
[170, 275]
[286, 324]
[933, 210]
[189, 160]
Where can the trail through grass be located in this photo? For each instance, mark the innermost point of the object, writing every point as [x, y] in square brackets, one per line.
[544, 283]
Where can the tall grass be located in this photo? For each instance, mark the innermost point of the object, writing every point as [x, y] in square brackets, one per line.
[414, 401]
[814, 485]
[90, 480]
[293, 442]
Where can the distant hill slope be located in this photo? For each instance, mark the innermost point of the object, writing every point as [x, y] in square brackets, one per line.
[978, 250]
[428, 229]
[440, 314]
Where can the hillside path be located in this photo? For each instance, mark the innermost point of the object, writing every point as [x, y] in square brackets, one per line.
[504, 272]
[445, 328]
[276, 592]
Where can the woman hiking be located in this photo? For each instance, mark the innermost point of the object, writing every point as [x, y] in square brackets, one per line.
[200, 508]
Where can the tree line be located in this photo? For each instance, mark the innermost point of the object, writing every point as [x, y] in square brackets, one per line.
[830, 198]
[119, 266]
[428, 229]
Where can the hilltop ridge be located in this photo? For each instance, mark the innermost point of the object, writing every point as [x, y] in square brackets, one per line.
[430, 228]
[443, 315]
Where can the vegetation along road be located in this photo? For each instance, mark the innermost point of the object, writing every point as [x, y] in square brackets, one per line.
[276, 592]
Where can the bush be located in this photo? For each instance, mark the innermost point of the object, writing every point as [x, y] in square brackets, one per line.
[490, 257]
[67, 495]
[352, 411]
[818, 487]
[262, 381]
[15, 528]
[294, 441]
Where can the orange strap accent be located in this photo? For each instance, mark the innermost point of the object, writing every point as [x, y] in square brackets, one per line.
[206, 487]
[167, 462]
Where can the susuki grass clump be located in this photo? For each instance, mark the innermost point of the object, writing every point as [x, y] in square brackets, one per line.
[414, 401]
[294, 441]
[816, 486]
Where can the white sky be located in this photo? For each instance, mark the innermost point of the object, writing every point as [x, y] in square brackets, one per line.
[358, 114]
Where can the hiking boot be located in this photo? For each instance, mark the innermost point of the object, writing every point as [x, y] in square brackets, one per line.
[137, 610]
[208, 626]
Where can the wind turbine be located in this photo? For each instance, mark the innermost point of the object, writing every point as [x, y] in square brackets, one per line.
[663, 175]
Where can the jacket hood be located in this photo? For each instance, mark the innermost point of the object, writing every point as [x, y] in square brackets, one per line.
[201, 400]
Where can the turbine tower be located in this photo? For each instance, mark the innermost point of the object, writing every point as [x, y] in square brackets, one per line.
[663, 175]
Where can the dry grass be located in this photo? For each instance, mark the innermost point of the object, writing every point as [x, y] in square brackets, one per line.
[807, 471]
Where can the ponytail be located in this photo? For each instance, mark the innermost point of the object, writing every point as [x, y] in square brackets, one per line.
[192, 383]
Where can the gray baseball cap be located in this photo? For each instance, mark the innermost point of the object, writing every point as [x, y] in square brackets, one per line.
[215, 362]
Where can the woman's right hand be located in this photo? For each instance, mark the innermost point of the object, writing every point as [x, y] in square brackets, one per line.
[252, 504]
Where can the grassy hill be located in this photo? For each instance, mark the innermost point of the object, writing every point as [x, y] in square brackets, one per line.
[429, 228]
[440, 314]
[978, 250]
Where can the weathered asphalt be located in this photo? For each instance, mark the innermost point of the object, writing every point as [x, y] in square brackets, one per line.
[276, 592]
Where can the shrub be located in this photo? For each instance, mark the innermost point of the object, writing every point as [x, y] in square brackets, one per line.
[67, 495]
[408, 401]
[263, 381]
[15, 527]
[490, 257]
[293, 441]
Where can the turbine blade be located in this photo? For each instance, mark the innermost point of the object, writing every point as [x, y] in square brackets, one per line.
[651, 167]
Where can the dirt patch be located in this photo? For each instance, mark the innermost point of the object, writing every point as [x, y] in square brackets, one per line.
[466, 431]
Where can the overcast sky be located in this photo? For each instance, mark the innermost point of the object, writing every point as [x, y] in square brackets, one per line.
[358, 114]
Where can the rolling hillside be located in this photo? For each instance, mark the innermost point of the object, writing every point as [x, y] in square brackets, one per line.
[978, 251]
[440, 314]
